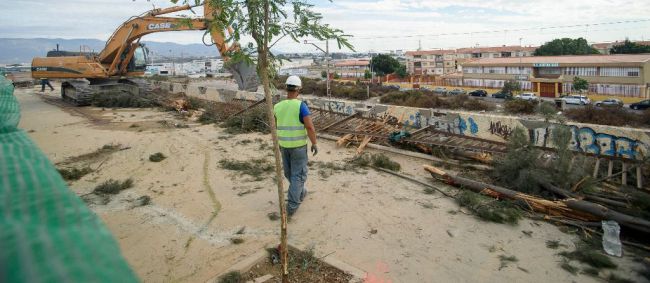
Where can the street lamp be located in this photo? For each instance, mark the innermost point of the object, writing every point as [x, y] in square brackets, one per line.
[327, 62]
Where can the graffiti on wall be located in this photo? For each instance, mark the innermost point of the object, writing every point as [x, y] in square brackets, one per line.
[500, 129]
[586, 139]
[339, 106]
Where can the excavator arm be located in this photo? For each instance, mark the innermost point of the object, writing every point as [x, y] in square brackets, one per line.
[113, 60]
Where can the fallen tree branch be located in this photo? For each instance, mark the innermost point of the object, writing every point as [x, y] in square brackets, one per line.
[412, 180]
[570, 208]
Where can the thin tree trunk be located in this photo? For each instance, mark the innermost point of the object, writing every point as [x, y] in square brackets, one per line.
[263, 71]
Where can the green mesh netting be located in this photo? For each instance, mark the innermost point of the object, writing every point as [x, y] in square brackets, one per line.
[47, 234]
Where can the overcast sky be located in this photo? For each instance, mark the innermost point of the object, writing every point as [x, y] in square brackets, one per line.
[375, 25]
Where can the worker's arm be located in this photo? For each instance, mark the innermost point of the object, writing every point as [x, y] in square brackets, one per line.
[311, 130]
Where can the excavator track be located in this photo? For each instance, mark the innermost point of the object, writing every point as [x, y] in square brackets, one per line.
[77, 92]
[82, 92]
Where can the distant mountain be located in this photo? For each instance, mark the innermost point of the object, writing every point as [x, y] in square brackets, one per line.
[22, 50]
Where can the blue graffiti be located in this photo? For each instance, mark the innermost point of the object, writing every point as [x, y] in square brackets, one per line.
[587, 140]
[473, 127]
[462, 126]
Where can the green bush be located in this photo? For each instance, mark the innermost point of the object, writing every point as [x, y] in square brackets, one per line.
[113, 187]
[157, 157]
[254, 120]
[519, 106]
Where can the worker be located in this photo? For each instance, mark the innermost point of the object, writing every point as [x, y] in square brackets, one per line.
[45, 81]
[294, 126]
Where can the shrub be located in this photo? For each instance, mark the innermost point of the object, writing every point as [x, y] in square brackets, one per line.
[231, 277]
[255, 168]
[74, 173]
[519, 106]
[604, 116]
[477, 105]
[113, 187]
[157, 157]
[383, 161]
[253, 120]
[489, 210]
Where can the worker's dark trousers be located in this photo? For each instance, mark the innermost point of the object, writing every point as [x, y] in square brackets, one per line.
[46, 82]
[294, 161]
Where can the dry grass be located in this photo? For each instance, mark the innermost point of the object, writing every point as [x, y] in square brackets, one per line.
[113, 187]
[608, 116]
[74, 173]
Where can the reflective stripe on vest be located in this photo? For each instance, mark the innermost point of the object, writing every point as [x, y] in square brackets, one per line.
[291, 132]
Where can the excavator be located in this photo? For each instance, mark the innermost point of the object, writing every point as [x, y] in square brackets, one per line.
[124, 57]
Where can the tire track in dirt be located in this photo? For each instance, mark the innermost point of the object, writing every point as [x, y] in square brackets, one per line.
[216, 205]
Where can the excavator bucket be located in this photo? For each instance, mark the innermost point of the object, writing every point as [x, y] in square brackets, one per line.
[245, 75]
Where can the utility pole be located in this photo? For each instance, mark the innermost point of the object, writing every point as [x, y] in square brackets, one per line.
[327, 62]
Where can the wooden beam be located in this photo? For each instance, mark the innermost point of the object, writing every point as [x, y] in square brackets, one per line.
[247, 108]
[610, 168]
[639, 177]
[344, 139]
[624, 175]
[339, 122]
[596, 168]
[362, 146]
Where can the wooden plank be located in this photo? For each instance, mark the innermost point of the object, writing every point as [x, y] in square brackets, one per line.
[344, 139]
[596, 168]
[362, 146]
[339, 122]
[610, 168]
[624, 175]
[639, 177]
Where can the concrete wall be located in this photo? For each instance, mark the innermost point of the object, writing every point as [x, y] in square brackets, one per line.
[596, 139]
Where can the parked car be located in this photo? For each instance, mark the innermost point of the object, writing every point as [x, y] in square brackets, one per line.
[457, 91]
[440, 90]
[641, 105]
[502, 94]
[576, 99]
[527, 96]
[610, 102]
[478, 92]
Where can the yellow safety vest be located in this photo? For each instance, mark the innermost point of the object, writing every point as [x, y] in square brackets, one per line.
[291, 132]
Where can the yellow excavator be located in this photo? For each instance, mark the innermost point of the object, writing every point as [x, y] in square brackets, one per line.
[124, 57]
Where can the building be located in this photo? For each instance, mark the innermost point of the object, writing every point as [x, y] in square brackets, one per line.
[443, 62]
[604, 48]
[351, 68]
[431, 62]
[550, 76]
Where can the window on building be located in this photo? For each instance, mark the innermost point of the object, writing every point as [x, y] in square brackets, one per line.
[472, 70]
[581, 71]
[494, 70]
[519, 70]
[619, 72]
[417, 64]
[476, 55]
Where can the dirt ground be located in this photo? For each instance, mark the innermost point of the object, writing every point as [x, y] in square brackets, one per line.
[371, 220]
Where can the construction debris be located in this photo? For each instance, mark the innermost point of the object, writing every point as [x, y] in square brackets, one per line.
[569, 208]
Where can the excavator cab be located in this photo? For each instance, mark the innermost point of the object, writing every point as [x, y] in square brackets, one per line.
[139, 61]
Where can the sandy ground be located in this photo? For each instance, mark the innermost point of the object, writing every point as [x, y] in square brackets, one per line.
[176, 238]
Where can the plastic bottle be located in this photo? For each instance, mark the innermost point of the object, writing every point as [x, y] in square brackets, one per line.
[611, 242]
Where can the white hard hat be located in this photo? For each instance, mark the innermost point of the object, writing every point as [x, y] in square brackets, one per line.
[294, 81]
